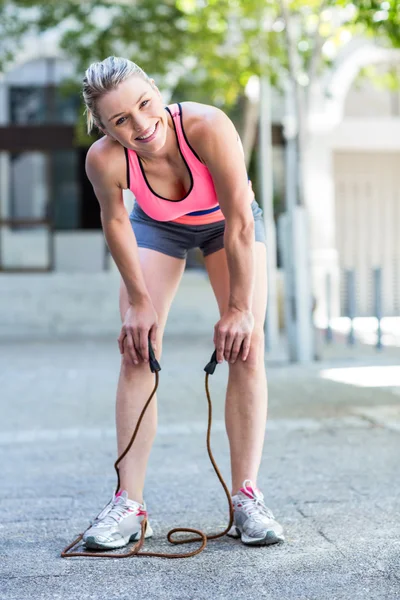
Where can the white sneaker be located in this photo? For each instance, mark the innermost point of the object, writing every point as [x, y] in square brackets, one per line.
[253, 522]
[118, 524]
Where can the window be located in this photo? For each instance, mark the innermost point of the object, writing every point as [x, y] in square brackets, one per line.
[34, 105]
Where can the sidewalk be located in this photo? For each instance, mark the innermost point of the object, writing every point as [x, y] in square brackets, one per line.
[329, 470]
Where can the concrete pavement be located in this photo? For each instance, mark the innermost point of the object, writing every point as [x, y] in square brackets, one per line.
[329, 471]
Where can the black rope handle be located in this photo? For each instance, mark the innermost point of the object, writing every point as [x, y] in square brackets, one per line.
[154, 364]
[210, 367]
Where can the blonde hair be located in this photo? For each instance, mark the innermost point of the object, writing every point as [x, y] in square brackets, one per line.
[102, 77]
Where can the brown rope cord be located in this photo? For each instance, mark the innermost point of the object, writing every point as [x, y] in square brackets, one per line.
[200, 535]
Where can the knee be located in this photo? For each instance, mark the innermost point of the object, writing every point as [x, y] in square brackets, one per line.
[255, 358]
[129, 367]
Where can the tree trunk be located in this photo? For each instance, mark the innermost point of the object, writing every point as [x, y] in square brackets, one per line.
[248, 136]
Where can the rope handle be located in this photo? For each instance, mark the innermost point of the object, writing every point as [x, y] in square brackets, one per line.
[154, 364]
[210, 367]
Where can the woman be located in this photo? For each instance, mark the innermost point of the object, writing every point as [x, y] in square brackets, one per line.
[184, 164]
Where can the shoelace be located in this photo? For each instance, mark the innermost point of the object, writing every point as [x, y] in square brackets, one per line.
[111, 513]
[256, 508]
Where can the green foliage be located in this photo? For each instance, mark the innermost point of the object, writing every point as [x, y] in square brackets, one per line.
[15, 22]
[387, 80]
[203, 49]
[377, 18]
[210, 49]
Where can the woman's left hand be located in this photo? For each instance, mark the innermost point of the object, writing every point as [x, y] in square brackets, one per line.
[232, 334]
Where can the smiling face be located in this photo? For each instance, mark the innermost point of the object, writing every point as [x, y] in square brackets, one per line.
[134, 115]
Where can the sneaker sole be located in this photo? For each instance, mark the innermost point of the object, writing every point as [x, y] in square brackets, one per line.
[92, 543]
[270, 538]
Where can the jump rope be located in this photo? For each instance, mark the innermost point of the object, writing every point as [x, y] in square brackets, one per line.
[200, 535]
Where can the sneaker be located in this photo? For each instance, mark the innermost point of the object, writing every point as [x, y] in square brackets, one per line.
[253, 522]
[118, 524]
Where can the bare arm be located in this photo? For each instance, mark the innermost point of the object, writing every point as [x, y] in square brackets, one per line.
[217, 143]
[115, 222]
[140, 321]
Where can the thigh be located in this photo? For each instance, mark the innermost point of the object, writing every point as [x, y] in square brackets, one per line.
[211, 239]
[162, 275]
[217, 268]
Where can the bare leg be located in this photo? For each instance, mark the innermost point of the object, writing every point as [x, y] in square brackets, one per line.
[246, 414]
[246, 396]
[134, 387]
[162, 275]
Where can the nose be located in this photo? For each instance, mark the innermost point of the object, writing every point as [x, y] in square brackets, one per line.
[140, 124]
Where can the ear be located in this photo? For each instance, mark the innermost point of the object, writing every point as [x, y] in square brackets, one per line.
[104, 132]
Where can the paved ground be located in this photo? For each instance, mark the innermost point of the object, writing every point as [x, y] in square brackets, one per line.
[330, 473]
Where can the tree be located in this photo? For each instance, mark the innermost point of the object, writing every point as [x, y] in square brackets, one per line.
[210, 48]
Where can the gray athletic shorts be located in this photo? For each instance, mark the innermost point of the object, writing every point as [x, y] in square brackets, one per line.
[175, 239]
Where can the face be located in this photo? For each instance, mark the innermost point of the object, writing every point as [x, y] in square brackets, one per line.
[134, 115]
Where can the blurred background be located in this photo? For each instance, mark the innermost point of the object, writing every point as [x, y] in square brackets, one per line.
[313, 89]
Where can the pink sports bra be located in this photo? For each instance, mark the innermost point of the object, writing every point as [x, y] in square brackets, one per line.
[198, 207]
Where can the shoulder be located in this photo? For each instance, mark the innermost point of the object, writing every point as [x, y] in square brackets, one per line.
[202, 118]
[195, 111]
[205, 124]
[106, 162]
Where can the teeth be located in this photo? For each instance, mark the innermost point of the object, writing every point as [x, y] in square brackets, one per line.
[144, 137]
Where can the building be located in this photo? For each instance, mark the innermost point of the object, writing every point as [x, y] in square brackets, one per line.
[48, 211]
[352, 182]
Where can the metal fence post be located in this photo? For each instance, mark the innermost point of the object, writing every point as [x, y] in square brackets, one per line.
[328, 289]
[351, 303]
[378, 304]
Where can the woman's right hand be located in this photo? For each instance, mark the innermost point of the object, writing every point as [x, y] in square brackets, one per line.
[140, 323]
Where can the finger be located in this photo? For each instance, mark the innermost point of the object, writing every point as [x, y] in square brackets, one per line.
[246, 347]
[130, 348]
[121, 338]
[136, 342]
[229, 341]
[220, 345]
[144, 344]
[236, 348]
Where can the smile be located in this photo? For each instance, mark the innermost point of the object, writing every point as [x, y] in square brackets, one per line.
[150, 135]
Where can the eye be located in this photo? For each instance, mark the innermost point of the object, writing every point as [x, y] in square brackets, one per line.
[120, 121]
[144, 103]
